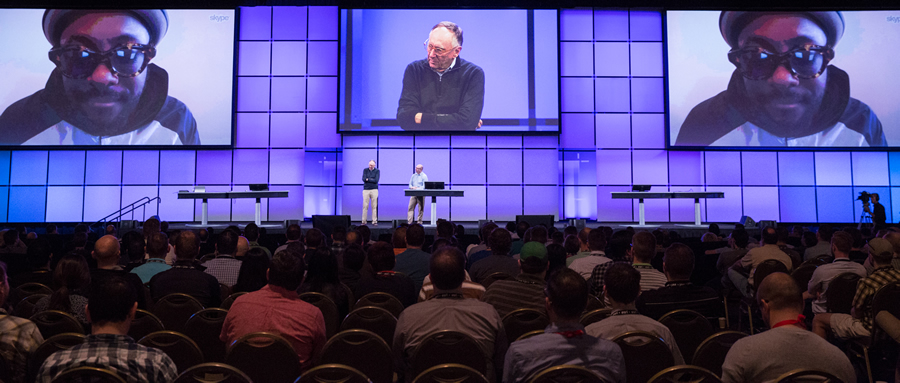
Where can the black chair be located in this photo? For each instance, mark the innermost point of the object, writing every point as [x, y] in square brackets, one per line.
[226, 304]
[204, 328]
[53, 322]
[383, 300]
[224, 290]
[347, 346]
[566, 373]
[445, 347]
[175, 309]
[762, 271]
[333, 373]
[88, 374]
[645, 355]
[595, 316]
[264, 357]
[327, 307]
[529, 334]
[25, 307]
[689, 328]
[143, 324]
[31, 288]
[521, 321]
[212, 373]
[6, 371]
[51, 345]
[685, 373]
[593, 303]
[450, 372]
[806, 376]
[840, 292]
[711, 352]
[803, 274]
[374, 319]
[498, 276]
[183, 351]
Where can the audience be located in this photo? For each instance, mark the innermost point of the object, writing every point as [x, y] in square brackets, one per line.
[251, 232]
[252, 276]
[243, 246]
[19, 337]
[413, 261]
[106, 252]
[293, 235]
[398, 239]
[322, 277]
[841, 244]
[679, 292]
[383, 279]
[314, 238]
[526, 290]
[741, 273]
[157, 249]
[483, 249]
[618, 250]
[135, 250]
[556, 256]
[184, 278]
[818, 243]
[72, 279]
[338, 240]
[353, 262]
[737, 248]
[499, 261]
[224, 266]
[36, 267]
[585, 264]
[643, 249]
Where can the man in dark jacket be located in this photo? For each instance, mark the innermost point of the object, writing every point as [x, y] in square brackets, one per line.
[370, 192]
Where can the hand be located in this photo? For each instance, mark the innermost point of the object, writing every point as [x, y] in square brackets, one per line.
[418, 118]
[479, 124]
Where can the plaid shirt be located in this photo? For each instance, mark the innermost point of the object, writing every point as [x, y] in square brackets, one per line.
[225, 268]
[18, 339]
[133, 362]
[597, 276]
[866, 289]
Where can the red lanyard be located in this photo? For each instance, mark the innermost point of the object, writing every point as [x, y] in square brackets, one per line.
[799, 322]
[571, 334]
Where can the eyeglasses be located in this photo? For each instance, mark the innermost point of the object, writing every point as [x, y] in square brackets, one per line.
[806, 62]
[78, 62]
[438, 51]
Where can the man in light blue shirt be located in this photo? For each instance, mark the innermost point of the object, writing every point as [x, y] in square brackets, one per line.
[417, 181]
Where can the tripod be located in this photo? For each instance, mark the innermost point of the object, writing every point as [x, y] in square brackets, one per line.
[865, 219]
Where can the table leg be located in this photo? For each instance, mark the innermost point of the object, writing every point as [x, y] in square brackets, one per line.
[697, 211]
[433, 210]
[257, 212]
[204, 217]
[641, 211]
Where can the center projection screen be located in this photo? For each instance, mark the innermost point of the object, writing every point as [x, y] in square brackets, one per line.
[117, 77]
[767, 93]
[506, 69]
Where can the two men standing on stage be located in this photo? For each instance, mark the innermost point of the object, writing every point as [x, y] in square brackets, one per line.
[370, 192]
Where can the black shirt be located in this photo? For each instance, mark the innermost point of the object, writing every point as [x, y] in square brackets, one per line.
[452, 101]
[400, 286]
[186, 280]
[98, 274]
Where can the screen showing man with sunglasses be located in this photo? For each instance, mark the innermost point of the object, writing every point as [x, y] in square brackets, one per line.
[104, 90]
[442, 91]
[783, 91]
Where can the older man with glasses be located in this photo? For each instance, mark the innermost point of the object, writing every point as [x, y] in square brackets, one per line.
[783, 91]
[442, 91]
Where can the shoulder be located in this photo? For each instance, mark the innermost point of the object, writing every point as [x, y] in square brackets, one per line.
[469, 66]
[707, 122]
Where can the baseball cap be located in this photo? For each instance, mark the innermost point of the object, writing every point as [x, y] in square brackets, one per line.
[731, 23]
[879, 246]
[533, 250]
[56, 20]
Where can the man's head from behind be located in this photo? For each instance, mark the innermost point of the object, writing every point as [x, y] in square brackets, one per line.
[622, 283]
[533, 258]
[643, 247]
[157, 246]
[286, 270]
[881, 251]
[415, 236]
[596, 240]
[500, 241]
[227, 242]
[678, 262]
[106, 251]
[841, 244]
[381, 256]
[251, 231]
[567, 294]
[112, 300]
[187, 246]
[443, 45]
[103, 57]
[769, 235]
[779, 292]
[448, 268]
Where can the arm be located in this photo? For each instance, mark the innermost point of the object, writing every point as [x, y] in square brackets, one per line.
[411, 181]
[377, 176]
[410, 101]
[364, 179]
[470, 108]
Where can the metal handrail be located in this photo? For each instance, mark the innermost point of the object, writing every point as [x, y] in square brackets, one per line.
[130, 208]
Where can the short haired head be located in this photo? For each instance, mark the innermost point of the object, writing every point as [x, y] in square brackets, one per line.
[894, 238]
[243, 246]
[596, 240]
[150, 226]
[381, 256]
[779, 292]
[567, 293]
[39, 252]
[227, 242]
[769, 235]
[353, 237]
[678, 261]
[286, 270]
[187, 246]
[293, 232]
[251, 231]
[339, 233]
[112, 299]
[314, 238]
[398, 239]
[809, 239]
[622, 283]
[539, 234]
[741, 238]
[842, 241]
[522, 227]
[572, 244]
[157, 245]
[354, 257]
[445, 229]
[486, 230]
[371, 164]
[415, 235]
[500, 241]
[10, 237]
[643, 246]
[365, 233]
[448, 268]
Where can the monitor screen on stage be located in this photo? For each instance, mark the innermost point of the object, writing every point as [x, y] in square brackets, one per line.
[449, 71]
[146, 77]
[783, 79]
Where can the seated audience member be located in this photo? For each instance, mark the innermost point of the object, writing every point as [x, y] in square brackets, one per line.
[520, 229]
[556, 257]
[353, 238]
[243, 246]
[366, 235]
[564, 341]
[322, 277]
[526, 290]
[741, 273]
[106, 252]
[709, 237]
[252, 276]
[383, 278]
[72, 279]
[398, 239]
[787, 346]
[184, 278]
[293, 234]
[538, 234]
[783, 238]
[251, 232]
[112, 308]
[572, 246]
[469, 289]
[225, 267]
[12, 244]
[597, 256]
[736, 250]
[858, 324]
[820, 244]
[277, 308]
[894, 238]
[37, 265]
[338, 240]
[446, 230]
[557, 238]
[207, 247]
[841, 243]
[618, 252]
[622, 286]
[135, 251]
[413, 261]
[157, 249]
[499, 260]
[314, 238]
[482, 249]
[857, 253]
[351, 269]
[448, 309]
[679, 292]
[643, 249]
[19, 337]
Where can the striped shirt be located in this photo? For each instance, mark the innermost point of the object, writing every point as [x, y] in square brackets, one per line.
[651, 279]
[867, 288]
[18, 339]
[524, 292]
[133, 362]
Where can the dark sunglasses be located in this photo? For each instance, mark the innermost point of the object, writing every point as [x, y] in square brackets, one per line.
[79, 62]
[806, 62]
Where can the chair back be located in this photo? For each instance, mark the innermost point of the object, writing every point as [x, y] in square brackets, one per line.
[224, 290]
[347, 346]
[327, 307]
[55, 343]
[53, 322]
[803, 274]
[529, 335]
[593, 303]
[887, 298]
[374, 319]
[711, 352]
[204, 328]
[175, 309]
[88, 375]
[566, 373]
[645, 354]
[333, 373]
[264, 357]
[30, 288]
[183, 351]
[823, 259]
[807, 376]
[689, 328]
[445, 347]
[494, 277]
[595, 316]
[144, 323]
[840, 292]
[685, 373]
[765, 268]
[383, 300]
[226, 304]
[212, 373]
[450, 372]
[6, 371]
[521, 321]
[25, 307]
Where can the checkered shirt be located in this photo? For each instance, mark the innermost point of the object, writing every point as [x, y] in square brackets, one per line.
[866, 289]
[18, 339]
[598, 275]
[133, 362]
[225, 268]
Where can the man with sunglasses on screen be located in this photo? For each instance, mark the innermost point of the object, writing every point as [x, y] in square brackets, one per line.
[104, 91]
[443, 91]
[783, 92]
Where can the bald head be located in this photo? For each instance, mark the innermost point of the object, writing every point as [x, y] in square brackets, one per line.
[106, 251]
[243, 246]
[781, 293]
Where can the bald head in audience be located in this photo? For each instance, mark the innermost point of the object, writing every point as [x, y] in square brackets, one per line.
[243, 246]
[187, 246]
[779, 298]
[106, 251]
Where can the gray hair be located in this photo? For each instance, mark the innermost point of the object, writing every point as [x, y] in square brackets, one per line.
[452, 27]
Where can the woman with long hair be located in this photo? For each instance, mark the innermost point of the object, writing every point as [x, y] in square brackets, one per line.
[72, 278]
[252, 275]
[322, 277]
